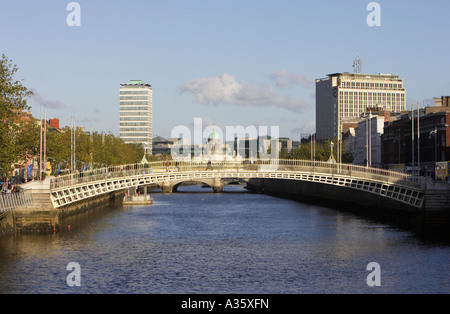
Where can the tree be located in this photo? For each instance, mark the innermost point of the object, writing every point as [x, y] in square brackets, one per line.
[98, 149]
[13, 98]
[322, 152]
[28, 137]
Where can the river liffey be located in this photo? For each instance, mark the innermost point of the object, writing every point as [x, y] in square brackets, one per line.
[198, 242]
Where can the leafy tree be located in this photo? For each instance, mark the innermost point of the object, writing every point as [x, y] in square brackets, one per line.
[28, 137]
[18, 138]
[322, 152]
[13, 98]
[98, 149]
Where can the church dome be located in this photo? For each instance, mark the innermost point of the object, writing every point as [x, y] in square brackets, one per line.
[214, 136]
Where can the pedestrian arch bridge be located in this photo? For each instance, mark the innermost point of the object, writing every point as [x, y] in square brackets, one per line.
[168, 175]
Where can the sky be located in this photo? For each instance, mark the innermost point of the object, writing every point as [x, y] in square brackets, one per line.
[231, 63]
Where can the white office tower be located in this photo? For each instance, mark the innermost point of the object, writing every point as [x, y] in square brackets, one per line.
[342, 100]
[136, 113]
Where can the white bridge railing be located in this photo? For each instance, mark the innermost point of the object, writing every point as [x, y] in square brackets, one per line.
[269, 165]
[11, 201]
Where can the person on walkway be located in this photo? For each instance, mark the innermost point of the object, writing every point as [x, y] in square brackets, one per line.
[10, 187]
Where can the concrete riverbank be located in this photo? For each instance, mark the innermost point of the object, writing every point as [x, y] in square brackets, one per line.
[42, 218]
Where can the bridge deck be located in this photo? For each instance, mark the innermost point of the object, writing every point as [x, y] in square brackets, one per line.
[398, 186]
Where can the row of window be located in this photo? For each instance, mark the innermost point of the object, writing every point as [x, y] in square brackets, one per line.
[122, 108]
[135, 135]
[134, 97]
[135, 119]
[129, 92]
[369, 85]
[134, 124]
[432, 121]
[136, 103]
[382, 105]
[144, 141]
[370, 95]
[135, 129]
[135, 113]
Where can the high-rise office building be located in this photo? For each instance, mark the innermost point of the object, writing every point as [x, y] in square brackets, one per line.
[136, 113]
[342, 98]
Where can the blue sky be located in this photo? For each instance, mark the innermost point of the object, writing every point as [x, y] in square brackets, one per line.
[234, 62]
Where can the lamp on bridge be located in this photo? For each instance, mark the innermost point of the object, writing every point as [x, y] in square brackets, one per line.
[331, 160]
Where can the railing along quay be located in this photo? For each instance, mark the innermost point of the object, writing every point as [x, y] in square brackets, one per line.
[269, 165]
[11, 201]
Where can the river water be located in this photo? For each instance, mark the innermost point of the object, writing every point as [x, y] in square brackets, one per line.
[234, 242]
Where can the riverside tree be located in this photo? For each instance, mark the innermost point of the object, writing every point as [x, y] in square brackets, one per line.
[20, 138]
[97, 149]
[322, 152]
[13, 98]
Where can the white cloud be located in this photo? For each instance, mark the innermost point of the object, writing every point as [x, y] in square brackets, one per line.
[284, 78]
[225, 89]
[52, 104]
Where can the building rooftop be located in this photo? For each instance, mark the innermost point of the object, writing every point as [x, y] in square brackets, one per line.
[135, 83]
[363, 75]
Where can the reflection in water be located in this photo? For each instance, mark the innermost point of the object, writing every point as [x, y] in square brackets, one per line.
[233, 242]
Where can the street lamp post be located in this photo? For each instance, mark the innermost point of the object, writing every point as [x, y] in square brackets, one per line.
[40, 148]
[331, 160]
[434, 133]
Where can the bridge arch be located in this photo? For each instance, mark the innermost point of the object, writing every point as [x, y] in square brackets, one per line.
[178, 185]
[215, 184]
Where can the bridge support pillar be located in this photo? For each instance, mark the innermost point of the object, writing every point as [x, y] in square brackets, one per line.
[218, 186]
[167, 187]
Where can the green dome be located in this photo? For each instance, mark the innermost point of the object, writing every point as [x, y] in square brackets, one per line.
[214, 136]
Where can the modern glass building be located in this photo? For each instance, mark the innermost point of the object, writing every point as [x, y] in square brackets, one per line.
[136, 113]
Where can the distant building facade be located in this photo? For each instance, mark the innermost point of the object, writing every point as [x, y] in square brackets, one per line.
[400, 144]
[285, 145]
[54, 123]
[367, 139]
[162, 146]
[136, 117]
[444, 101]
[341, 98]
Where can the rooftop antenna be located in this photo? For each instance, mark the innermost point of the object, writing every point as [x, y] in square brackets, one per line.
[357, 65]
